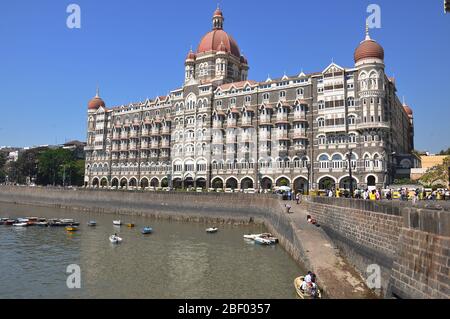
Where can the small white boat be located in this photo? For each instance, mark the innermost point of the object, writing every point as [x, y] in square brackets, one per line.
[22, 220]
[251, 236]
[117, 222]
[212, 230]
[263, 241]
[67, 221]
[20, 224]
[115, 239]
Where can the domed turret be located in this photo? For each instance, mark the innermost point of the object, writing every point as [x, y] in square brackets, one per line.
[96, 102]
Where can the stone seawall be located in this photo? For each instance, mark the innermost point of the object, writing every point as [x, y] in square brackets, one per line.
[199, 207]
[411, 245]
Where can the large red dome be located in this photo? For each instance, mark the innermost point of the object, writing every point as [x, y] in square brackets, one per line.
[212, 42]
[96, 102]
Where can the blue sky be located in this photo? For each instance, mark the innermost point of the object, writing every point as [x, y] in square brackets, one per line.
[136, 49]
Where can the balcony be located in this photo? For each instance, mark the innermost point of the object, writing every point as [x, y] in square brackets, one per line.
[231, 139]
[300, 117]
[246, 122]
[246, 138]
[124, 147]
[154, 145]
[265, 120]
[165, 144]
[145, 133]
[331, 129]
[155, 132]
[380, 125]
[116, 136]
[282, 136]
[232, 124]
[264, 136]
[133, 147]
[133, 134]
[299, 135]
[165, 131]
[281, 119]
[124, 135]
[217, 125]
[144, 146]
[217, 140]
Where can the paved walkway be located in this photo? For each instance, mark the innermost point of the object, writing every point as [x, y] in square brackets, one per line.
[336, 277]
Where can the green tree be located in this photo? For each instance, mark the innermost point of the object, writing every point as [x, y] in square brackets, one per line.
[437, 175]
[53, 164]
[443, 152]
[2, 167]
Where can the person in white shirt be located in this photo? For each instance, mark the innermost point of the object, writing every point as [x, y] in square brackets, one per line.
[307, 281]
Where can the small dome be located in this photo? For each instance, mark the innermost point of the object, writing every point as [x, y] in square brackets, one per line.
[244, 60]
[191, 56]
[96, 102]
[218, 13]
[408, 110]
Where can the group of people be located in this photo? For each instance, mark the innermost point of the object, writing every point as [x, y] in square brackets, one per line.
[309, 284]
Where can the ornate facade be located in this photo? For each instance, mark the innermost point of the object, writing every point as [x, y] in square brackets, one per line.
[223, 131]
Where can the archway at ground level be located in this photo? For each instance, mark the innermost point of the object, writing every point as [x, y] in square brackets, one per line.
[154, 182]
[283, 181]
[133, 182]
[246, 183]
[95, 182]
[266, 183]
[217, 183]
[177, 184]
[144, 183]
[104, 182]
[301, 185]
[371, 181]
[345, 183]
[327, 183]
[232, 183]
[115, 182]
[189, 182]
[123, 182]
[201, 182]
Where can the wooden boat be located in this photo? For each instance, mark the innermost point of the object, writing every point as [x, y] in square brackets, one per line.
[263, 241]
[115, 239]
[212, 230]
[147, 230]
[10, 222]
[92, 223]
[130, 225]
[71, 228]
[303, 294]
[117, 222]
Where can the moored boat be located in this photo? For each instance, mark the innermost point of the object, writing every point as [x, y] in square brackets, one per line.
[270, 237]
[263, 241]
[298, 282]
[130, 225]
[250, 236]
[117, 222]
[115, 239]
[147, 230]
[212, 230]
[71, 228]
[20, 224]
[42, 224]
[92, 223]
[10, 222]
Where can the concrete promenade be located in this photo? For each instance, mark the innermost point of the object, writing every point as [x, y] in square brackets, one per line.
[335, 275]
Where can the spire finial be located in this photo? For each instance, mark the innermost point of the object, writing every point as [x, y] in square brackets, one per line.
[367, 31]
[404, 103]
[97, 94]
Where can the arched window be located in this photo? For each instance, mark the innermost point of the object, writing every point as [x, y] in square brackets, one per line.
[351, 101]
[324, 161]
[322, 140]
[321, 122]
[337, 161]
[352, 138]
[351, 120]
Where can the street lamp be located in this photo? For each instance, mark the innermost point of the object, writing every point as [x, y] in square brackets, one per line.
[349, 156]
[308, 166]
